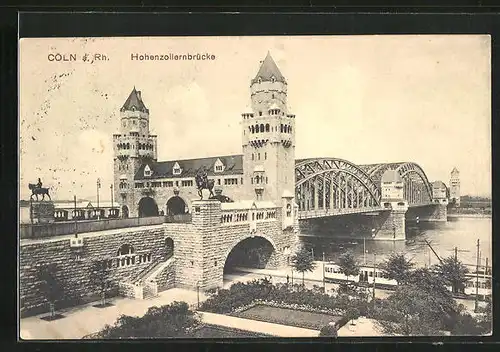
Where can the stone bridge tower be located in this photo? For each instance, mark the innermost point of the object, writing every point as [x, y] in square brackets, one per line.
[455, 186]
[268, 138]
[132, 147]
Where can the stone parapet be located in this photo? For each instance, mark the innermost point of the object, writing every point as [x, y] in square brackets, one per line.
[42, 212]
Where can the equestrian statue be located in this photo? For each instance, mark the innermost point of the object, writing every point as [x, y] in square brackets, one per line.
[202, 182]
[37, 189]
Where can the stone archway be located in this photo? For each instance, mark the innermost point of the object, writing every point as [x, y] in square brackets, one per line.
[176, 206]
[147, 207]
[169, 247]
[252, 252]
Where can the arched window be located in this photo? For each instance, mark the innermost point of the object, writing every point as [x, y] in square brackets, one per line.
[125, 249]
[281, 128]
[169, 247]
[267, 127]
[265, 155]
[256, 128]
[290, 129]
[258, 156]
[128, 145]
[253, 156]
[262, 128]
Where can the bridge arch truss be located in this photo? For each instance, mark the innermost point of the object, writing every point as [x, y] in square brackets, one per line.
[334, 184]
[417, 188]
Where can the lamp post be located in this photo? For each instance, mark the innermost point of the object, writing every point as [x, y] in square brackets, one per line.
[98, 186]
[476, 301]
[198, 294]
[324, 286]
[364, 250]
[111, 188]
[373, 292]
[74, 216]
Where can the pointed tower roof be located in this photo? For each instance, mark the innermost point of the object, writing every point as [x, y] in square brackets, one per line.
[134, 100]
[268, 69]
[454, 171]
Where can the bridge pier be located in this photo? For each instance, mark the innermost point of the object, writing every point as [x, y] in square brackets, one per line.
[392, 226]
[435, 213]
[391, 223]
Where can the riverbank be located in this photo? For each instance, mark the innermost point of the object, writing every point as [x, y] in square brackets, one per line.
[466, 216]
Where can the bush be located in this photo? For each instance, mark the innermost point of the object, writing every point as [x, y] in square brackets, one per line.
[329, 330]
[245, 294]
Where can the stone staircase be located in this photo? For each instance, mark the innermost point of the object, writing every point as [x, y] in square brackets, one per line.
[144, 285]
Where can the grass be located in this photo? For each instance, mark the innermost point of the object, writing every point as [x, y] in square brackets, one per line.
[51, 318]
[286, 316]
[100, 305]
[214, 331]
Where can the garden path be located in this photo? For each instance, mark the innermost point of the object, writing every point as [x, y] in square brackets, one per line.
[257, 326]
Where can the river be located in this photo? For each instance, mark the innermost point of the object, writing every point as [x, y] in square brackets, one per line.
[462, 233]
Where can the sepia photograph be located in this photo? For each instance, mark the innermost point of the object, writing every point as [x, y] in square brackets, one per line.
[255, 187]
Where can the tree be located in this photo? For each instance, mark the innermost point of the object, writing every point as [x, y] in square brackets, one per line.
[302, 261]
[424, 306]
[486, 318]
[410, 311]
[329, 330]
[397, 267]
[50, 286]
[348, 265]
[172, 320]
[100, 278]
[454, 272]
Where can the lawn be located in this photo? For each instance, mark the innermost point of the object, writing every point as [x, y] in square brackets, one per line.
[286, 316]
[213, 331]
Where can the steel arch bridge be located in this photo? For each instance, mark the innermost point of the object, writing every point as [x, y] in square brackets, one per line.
[332, 186]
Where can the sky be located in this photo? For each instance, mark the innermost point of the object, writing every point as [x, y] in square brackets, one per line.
[367, 99]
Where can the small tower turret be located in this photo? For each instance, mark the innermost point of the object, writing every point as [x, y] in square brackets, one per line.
[132, 147]
[455, 186]
[269, 137]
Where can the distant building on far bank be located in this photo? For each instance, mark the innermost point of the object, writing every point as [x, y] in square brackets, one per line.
[455, 187]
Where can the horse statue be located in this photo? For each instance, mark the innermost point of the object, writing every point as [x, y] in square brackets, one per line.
[36, 189]
[202, 182]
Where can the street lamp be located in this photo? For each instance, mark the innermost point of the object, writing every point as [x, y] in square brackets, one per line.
[98, 186]
[198, 294]
[111, 188]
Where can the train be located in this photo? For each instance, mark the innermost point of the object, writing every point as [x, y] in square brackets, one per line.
[332, 273]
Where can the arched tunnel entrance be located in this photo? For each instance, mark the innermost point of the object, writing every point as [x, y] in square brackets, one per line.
[147, 207]
[176, 206]
[254, 252]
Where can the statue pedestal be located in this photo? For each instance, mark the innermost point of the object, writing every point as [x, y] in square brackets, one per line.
[42, 212]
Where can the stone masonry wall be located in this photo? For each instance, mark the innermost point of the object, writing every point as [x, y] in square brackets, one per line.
[166, 278]
[187, 193]
[203, 253]
[74, 270]
[438, 212]
[392, 226]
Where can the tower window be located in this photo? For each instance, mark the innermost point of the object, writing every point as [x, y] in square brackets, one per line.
[253, 156]
[265, 155]
[260, 113]
[262, 127]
